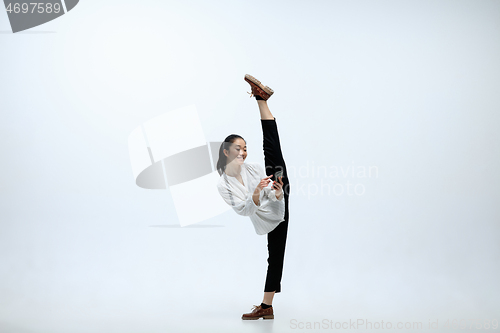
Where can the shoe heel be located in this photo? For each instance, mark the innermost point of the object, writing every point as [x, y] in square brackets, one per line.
[268, 317]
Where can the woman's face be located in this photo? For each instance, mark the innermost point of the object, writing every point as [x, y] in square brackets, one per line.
[237, 152]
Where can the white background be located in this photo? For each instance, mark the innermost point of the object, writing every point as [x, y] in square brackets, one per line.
[410, 87]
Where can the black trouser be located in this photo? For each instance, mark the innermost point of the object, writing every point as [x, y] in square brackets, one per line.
[276, 239]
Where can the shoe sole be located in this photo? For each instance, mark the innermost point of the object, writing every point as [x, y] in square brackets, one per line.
[255, 318]
[250, 79]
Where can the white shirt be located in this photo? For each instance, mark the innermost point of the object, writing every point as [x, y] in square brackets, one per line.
[268, 214]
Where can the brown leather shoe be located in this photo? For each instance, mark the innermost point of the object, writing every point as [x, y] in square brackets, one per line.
[258, 89]
[258, 312]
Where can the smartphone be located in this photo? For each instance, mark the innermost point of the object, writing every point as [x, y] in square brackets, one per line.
[278, 175]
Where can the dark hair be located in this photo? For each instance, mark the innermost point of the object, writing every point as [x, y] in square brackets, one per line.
[221, 163]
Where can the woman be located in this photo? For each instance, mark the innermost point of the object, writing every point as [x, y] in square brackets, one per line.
[246, 187]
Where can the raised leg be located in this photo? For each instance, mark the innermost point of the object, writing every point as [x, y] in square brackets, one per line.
[273, 156]
[276, 239]
[265, 113]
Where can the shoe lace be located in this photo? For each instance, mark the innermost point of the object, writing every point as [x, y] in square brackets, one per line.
[256, 307]
[251, 94]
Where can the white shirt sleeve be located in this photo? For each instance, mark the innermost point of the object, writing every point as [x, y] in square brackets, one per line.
[269, 191]
[245, 207]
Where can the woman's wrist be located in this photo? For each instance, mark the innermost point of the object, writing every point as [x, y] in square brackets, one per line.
[256, 196]
[279, 195]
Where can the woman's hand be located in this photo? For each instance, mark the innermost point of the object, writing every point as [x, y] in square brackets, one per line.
[278, 186]
[264, 182]
[256, 194]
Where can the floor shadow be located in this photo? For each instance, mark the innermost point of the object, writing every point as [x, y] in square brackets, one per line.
[188, 226]
[27, 32]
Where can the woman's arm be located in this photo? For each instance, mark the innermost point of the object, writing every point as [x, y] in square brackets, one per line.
[244, 207]
[249, 205]
[256, 196]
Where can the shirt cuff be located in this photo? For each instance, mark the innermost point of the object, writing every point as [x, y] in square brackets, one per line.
[253, 203]
[272, 196]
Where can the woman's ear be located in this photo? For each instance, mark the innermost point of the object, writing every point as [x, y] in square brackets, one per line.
[226, 153]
